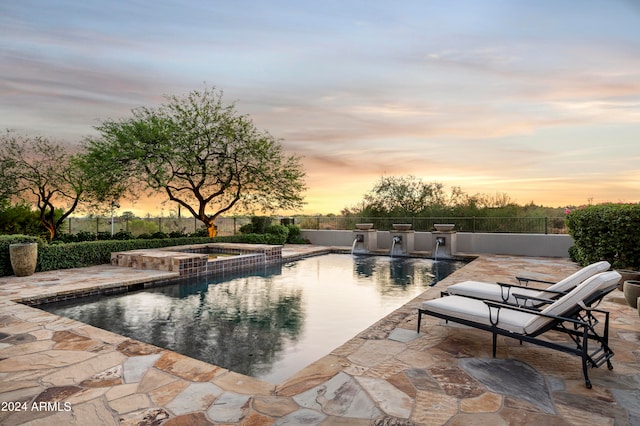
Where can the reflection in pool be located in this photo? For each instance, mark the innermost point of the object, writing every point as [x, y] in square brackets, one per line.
[269, 324]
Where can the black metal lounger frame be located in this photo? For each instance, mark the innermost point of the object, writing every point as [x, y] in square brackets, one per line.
[580, 320]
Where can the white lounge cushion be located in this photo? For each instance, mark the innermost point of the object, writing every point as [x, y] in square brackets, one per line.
[477, 311]
[576, 278]
[601, 281]
[491, 291]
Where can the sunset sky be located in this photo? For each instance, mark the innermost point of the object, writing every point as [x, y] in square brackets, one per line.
[536, 99]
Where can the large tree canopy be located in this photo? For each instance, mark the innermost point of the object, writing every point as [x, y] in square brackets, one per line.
[404, 196]
[35, 169]
[201, 153]
[410, 196]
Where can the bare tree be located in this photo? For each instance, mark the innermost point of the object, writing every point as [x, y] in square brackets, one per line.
[39, 171]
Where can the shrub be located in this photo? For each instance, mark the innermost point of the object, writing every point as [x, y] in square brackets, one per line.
[295, 235]
[280, 230]
[85, 236]
[253, 239]
[6, 241]
[246, 229]
[123, 235]
[202, 232]
[608, 232]
[260, 224]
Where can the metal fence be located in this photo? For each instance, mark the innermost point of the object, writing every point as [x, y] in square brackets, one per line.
[526, 225]
[150, 225]
[231, 225]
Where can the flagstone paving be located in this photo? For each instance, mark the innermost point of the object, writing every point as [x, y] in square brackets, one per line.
[59, 371]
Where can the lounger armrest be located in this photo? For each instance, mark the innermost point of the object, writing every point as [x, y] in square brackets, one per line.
[508, 285]
[493, 304]
[525, 298]
[516, 286]
[527, 280]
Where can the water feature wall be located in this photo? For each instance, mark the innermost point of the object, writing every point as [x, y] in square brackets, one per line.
[364, 241]
[444, 241]
[402, 242]
[547, 245]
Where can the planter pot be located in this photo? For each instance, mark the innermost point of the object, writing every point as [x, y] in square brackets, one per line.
[24, 258]
[364, 226]
[632, 292]
[626, 275]
[401, 226]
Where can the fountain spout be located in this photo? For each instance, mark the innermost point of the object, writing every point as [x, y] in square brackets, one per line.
[396, 240]
[440, 241]
[358, 239]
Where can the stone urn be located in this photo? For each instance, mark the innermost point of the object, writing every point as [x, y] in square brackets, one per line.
[364, 226]
[632, 292]
[401, 226]
[24, 257]
[626, 275]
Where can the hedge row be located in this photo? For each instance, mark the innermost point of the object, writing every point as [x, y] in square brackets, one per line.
[77, 255]
[608, 232]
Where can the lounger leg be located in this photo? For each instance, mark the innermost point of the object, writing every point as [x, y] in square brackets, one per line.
[585, 353]
[495, 342]
[419, 319]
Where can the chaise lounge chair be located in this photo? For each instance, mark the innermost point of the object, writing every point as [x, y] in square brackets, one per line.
[521, 295]
[570, 314]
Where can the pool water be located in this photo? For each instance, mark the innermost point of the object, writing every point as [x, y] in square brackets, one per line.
[271, 324]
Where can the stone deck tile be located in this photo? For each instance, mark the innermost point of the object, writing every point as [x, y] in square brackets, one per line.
[387, 372]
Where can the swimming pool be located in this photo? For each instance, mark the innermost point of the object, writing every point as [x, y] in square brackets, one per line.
[269, 324]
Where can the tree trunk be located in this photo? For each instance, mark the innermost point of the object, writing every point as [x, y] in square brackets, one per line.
[51, 228]
[212, 229]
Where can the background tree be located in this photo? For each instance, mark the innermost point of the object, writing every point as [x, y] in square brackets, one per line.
[403, 196]
[41, 172]
[200, 153]
[409, 196]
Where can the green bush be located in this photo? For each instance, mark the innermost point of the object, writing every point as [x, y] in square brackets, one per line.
[252, 239]
[246, 229]
[6, 241]
[295, 235]
[123, 235]
[20, 219]
[281, 230]
[608, 232]
[260, 224]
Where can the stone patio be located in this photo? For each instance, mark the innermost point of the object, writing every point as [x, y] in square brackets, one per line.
[55, 370]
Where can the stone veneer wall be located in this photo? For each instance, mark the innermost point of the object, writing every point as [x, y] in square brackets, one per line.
[193, 260]
[186, 264]
[271, 254]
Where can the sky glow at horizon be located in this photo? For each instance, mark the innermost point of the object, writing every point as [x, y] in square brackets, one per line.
[538, 100]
